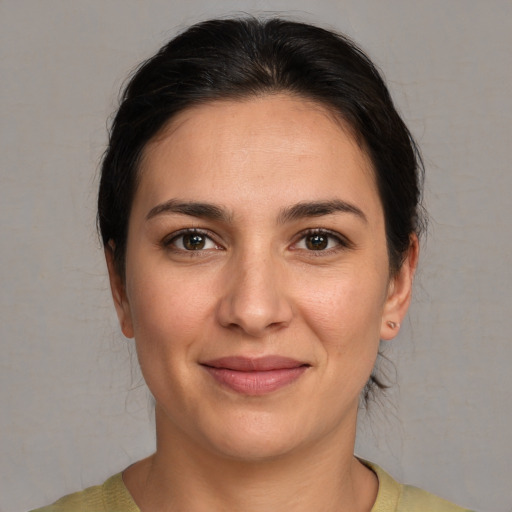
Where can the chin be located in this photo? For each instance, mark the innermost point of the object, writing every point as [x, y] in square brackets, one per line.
[258, 437]
[255, 448]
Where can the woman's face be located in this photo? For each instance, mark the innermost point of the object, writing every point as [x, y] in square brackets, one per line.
[257, 280]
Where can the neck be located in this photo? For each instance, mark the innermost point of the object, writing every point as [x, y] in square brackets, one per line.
[183, 476]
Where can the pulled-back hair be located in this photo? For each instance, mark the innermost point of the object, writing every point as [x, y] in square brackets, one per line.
[243, 58]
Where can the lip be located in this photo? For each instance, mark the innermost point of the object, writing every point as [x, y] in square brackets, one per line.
[255, 376]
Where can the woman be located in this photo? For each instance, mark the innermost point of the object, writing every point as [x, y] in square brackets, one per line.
[259, 209]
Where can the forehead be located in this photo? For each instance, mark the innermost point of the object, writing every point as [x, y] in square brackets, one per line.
[285, 147]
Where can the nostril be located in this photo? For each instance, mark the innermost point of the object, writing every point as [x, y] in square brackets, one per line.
[255, 300]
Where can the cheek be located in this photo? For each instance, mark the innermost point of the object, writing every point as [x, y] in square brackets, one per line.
[169, 318]
[167, 310]
[344, 306]
[345, 315]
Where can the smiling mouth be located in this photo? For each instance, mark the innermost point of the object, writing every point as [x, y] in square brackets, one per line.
[255, 376]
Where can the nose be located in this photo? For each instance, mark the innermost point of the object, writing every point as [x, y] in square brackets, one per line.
[255, 300]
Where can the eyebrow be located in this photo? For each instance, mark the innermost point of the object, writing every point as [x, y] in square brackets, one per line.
[291, 213]
[191, 208]
[318, 209]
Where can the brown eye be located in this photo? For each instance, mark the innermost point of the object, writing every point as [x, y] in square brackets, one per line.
[317, 242]
[194, 241]
[191, 240]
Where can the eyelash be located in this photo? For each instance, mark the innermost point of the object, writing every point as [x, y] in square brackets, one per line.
[341, 242]
[169, 242]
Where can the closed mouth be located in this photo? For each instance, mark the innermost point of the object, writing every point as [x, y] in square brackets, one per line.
[255, 376]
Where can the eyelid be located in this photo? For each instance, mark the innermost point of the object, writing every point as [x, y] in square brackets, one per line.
[168, 240]
[342, 241]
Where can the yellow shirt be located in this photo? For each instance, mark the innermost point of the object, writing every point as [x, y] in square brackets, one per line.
[113, 496]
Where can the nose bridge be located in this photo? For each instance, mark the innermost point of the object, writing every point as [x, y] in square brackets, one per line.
[255, 298]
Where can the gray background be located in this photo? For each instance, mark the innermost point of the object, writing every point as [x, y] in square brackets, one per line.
[73, 409]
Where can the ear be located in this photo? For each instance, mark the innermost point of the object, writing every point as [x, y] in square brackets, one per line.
[399, 293]
[118, 289]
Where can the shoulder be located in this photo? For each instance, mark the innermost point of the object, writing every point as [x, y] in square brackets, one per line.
[395, 497]
[413, 499]
[112, 496]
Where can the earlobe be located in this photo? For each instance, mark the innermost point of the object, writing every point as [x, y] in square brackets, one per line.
[118, 290]
[399, 293]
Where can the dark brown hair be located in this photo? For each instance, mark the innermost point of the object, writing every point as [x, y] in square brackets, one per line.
[240, 58]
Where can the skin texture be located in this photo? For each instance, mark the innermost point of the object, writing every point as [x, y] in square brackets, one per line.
[257, 286]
